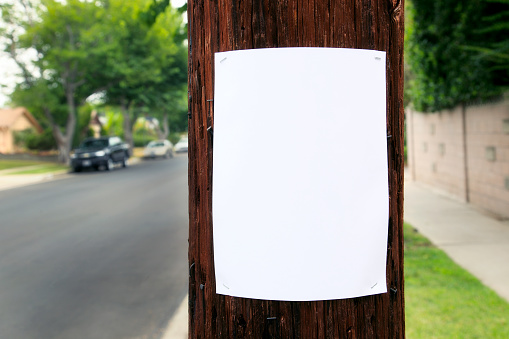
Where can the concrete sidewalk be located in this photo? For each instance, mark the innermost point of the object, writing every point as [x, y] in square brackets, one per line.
[475, 240]
[178, 326]
[8, 181]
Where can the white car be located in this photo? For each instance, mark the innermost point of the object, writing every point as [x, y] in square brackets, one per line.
[158, 148]
[181, 146]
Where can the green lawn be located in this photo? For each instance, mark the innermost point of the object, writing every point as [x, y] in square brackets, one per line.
[43, 168]
[442, 300]
[8, 164]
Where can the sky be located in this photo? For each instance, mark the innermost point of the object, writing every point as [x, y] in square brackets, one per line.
[7, 78]
[8, 68]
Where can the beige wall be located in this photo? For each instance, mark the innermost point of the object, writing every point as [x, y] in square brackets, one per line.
[485, 128]
[6, 137]
[438, 143]
[21, 124]
[5, 141]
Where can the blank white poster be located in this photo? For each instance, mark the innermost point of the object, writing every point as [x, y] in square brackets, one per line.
[300, 179]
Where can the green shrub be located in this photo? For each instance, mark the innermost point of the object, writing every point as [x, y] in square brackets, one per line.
[174, 137]
[114, 122]
[442, 44]
[42, 142]
[141, 140]
[20, 137]
[31, 140]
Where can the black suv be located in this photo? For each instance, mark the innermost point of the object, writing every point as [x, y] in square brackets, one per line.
[97, 152]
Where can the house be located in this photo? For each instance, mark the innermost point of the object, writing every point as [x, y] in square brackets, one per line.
[12, 120]
[97, 121]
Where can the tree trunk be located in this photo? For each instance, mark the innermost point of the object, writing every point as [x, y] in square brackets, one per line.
[62, 141]
[127, 125]
[63, 154]
[62, 144]
[165, 132]
[71, 122]
[216, 26]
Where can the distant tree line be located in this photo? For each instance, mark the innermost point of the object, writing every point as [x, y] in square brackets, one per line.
[129, 54]
[457, 52]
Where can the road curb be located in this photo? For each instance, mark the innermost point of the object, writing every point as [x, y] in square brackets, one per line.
[178, 324]
[14, 181]
[10, 181]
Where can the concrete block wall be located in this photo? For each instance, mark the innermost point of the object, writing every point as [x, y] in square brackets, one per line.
[488, 156]
[435, 150]
[464, 152]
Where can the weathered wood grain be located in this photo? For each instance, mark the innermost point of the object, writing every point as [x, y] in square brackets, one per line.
[224, 25]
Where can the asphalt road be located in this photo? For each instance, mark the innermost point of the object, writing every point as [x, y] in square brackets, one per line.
[95, 255]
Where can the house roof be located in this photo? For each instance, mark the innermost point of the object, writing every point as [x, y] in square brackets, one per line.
[9, 116]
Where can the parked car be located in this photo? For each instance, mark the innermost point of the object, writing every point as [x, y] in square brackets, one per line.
[159, 148]
[181, 146]
[100, 152]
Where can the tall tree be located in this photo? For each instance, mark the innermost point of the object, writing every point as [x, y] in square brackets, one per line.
[69, 60]
[152, 62]
[168, 95]
[130, 51]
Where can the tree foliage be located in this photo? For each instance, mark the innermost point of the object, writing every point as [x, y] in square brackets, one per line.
[451, 48]
[131, 52]
[69, 61]
[32, 140]
[493, 44]
[150, 73]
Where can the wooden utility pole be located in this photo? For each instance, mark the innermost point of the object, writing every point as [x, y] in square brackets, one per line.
[225, 25]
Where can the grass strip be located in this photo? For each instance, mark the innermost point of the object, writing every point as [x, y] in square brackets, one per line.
[443, 300]
[138, 152]
[43, 168]
[8, 164]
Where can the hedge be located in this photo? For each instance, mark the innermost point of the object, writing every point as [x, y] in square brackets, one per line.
[449, 47]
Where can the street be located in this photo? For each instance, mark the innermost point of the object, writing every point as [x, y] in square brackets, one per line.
[96, 254]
